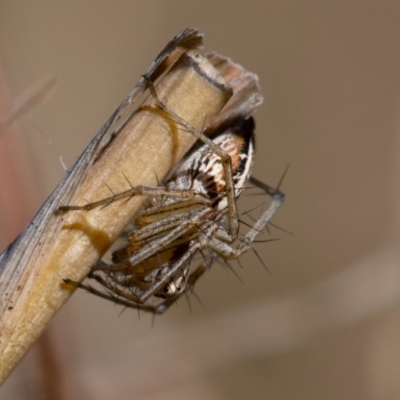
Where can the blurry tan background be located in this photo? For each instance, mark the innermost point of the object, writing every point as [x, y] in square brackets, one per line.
[326, 324]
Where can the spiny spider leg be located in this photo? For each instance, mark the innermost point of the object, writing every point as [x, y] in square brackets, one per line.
[140, 190]
[119, 298]
[222, 246]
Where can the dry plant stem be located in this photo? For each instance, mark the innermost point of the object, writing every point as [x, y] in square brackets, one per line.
[142, 150]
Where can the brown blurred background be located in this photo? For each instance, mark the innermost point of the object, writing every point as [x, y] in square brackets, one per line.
[326, 324]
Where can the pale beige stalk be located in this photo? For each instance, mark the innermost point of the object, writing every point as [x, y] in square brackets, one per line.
[145, 149]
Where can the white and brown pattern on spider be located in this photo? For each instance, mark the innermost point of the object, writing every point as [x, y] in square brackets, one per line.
[195, 210]
[202, 171]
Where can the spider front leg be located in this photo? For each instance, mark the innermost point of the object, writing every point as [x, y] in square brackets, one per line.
[221, 244]
[140, 190]
[277, 200]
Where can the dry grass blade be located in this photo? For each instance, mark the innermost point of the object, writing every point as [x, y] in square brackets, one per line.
[142, 146]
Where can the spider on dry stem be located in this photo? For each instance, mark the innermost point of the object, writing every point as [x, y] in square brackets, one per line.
[194, 210]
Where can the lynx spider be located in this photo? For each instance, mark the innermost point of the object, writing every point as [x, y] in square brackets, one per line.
[195, 210]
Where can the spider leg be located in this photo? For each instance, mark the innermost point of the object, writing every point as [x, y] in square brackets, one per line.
[120, 300]
[221, 245]
[140, 190]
